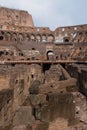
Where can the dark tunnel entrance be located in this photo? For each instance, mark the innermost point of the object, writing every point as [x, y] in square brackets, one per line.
[50, 55]
[46, 67]
[1, 38]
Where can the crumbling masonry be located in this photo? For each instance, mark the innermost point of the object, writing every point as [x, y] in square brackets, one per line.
[43, 74]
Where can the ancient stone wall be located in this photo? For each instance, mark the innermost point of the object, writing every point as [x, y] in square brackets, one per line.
[12, 17]
[41, 95]
[36, 99]
[79, 72]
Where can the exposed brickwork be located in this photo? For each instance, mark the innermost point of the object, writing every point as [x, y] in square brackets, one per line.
[41, 94]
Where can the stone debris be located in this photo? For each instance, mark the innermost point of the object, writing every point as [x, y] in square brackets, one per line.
[43, 74]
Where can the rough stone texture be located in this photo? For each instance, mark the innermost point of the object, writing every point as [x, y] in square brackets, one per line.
[40, 126]
[42, 86]
[59, 124]
[23, 116]
[14, 17]
[37, 99]
[22, 127]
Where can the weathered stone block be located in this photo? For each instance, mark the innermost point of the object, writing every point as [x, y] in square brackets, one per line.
[58, 124]
[59, 106]
[46, 88]
[4, 82]
[22, 127]
[23, 116]
[40, 126]
[37, 99]
[34, 88]
[43, 113]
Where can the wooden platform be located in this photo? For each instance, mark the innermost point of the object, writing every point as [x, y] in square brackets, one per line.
[43, 62]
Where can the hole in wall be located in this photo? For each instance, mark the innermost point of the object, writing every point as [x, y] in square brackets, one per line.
[32, 76]
[1, 38]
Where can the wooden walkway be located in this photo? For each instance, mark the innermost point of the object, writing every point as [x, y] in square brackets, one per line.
[43, 62]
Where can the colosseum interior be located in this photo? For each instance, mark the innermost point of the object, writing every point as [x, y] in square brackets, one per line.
[43, 74]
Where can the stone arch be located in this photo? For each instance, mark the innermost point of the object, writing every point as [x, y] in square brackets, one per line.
[50, 55]
[20, 37]
[27, 37]
[50, 38]
[80, 33]
[38, 37]
[8, 36]
[14, 37]
[2, 35]
[66, 39]
[32, 37]
[44, 38]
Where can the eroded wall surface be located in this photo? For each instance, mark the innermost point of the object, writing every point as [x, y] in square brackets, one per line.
[12, 17]
[42, 95]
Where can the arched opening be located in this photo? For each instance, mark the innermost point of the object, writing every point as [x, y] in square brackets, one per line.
[6, 52]
[8, 59]
[20, 37]
[32, 76]
[21, 54]
[38, 37]
[80, 48]
[66, 39]
[50, 55]
[32, 37]
[46, 67]
[8, 36]
[44, 38]
[2, 32]
[27, 37]
[1, 53]
[50, 38]
[80, 33]
[1, 38]
[14, 37]
[57, 57]
[28, 58]
[17, 16]
[33, 48]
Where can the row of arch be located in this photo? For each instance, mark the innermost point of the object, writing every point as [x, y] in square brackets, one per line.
[12, 36]
[80, 37]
